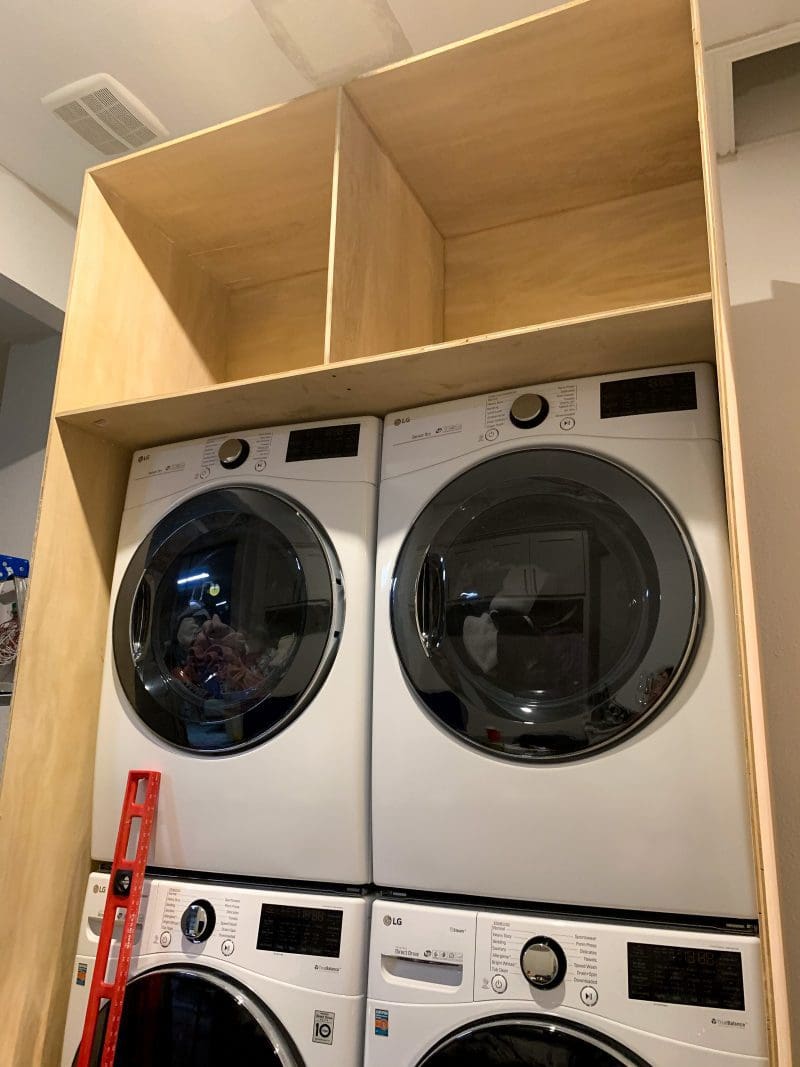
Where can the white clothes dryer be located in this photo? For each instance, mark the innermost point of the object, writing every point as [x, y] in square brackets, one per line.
[451, 987]
[557, 710]
[234, 975]
[240, 651]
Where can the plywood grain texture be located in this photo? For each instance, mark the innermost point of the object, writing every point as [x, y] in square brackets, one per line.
[626, 340]
[591, 102]
[210, 260]
[141, 315]
[643, 249]
[248, 201]
[779, 1011]
[387, 261]
[45, 802]
[277, 326]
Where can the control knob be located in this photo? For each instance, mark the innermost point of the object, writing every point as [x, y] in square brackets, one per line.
[233, 452]
[543, 962]
[198, 921]
[528, 410]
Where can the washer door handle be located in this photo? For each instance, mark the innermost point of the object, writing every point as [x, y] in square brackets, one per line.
[430, 598]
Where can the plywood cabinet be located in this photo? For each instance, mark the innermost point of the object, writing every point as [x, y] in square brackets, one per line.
[528, 205]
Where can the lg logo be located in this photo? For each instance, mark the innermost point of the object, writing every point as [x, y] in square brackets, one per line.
[389, 921]
[402, 422]
[143, 459]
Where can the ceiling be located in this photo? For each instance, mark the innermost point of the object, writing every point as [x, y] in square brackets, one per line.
[197, 62]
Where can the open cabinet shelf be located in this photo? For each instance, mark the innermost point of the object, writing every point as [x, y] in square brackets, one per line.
[561, 179]
[649, 336]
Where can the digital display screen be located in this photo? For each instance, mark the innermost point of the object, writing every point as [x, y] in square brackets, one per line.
[670, 974]
[323, 442]
[648, 395]
[300, 931]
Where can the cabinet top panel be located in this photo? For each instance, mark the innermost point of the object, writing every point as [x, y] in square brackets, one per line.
[591, 102]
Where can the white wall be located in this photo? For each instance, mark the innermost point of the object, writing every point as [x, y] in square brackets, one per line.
[24, 417]
[760, 191]
[36, 243]
[727, 20]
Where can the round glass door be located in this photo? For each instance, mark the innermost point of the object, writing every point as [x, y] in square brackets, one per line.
[546, 604]
[227, 620]
[528, 1041]
[188, 1017]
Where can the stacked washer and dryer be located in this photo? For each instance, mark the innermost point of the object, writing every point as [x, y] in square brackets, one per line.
[557, 822]
[559, 779]
[239, 665]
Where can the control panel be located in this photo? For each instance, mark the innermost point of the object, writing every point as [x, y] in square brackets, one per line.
[310, 940]
[691, 986]
[332, 451]
[667, 403]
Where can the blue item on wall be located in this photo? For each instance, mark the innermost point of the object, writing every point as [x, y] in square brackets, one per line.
[13, 567]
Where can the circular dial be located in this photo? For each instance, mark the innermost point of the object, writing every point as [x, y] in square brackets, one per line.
[233, 452]
[198, 921]
[543, 962]
[528, 410]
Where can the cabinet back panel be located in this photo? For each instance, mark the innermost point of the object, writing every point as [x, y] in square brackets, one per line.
[643, 249]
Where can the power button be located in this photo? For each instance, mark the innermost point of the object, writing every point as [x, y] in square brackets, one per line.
[499, 983]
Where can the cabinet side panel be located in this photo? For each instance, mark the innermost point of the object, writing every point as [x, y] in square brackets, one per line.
[142, 318]
[386, 276]
[45, 803]
[778, 1010]
[642, 249]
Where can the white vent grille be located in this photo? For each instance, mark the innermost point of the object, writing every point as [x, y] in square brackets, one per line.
[105, 114]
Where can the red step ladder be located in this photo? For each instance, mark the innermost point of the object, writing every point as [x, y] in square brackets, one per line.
[124, 892]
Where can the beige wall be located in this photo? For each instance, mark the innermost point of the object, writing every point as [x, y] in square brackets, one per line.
[760, 191]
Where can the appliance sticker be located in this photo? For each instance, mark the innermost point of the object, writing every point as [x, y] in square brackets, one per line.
[381, 1022]
[80, 977]
[323, 1027]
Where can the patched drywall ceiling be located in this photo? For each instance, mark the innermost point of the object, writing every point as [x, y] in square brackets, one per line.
[197, 62]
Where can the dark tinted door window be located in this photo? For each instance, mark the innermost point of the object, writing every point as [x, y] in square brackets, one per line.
[545, 604]
[190, 1018]
[226, 620]
[534, 1041]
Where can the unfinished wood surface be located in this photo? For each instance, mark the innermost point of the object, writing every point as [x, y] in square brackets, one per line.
[590, 102]
[277, 327]
[780, 1013]
[142, 318]
[249, 200]
[626, 340]
[45, 803]
[646, 248]
[387, 258]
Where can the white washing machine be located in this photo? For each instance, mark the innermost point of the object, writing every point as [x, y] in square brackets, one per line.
[557, 711]
[240, 651]
[226, 974]
[450, 987]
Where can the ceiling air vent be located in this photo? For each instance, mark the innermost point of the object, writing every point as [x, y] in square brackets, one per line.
[105, 114]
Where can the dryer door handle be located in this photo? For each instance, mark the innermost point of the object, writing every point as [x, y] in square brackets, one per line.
[430, 611]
